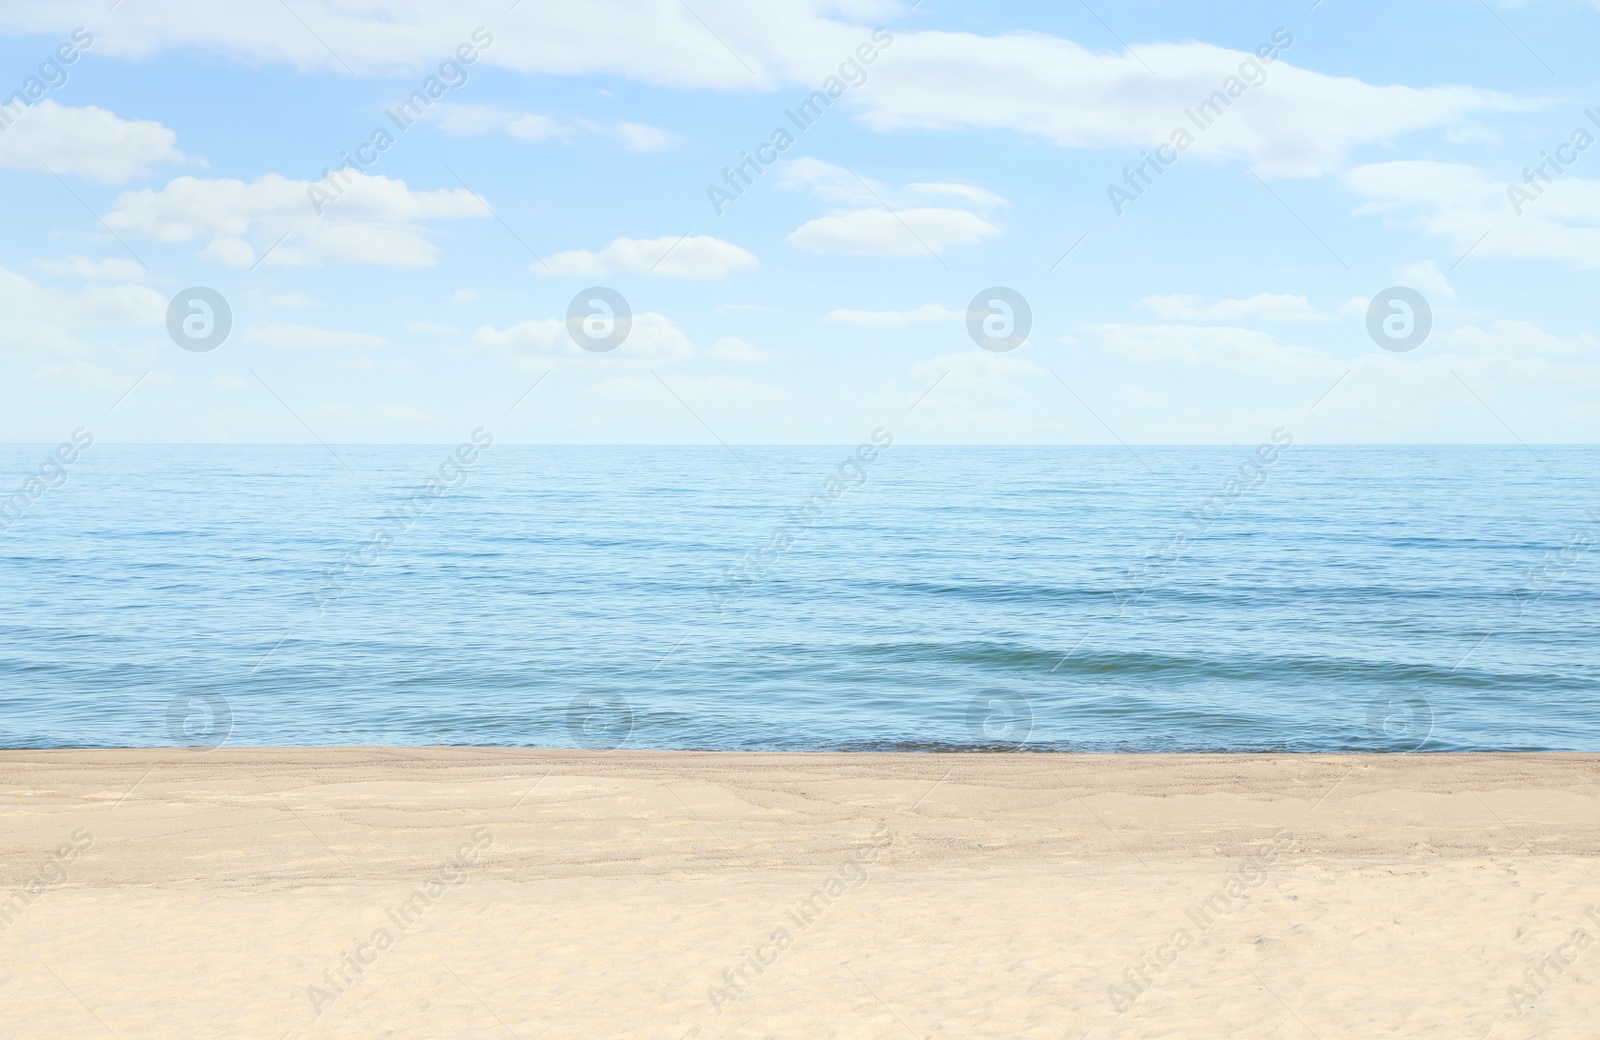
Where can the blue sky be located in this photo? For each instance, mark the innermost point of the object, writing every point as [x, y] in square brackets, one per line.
[577, 150]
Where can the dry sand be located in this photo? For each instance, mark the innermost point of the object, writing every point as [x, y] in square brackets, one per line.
[532, 894]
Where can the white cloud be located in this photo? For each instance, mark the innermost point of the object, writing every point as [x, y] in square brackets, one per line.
[373, 222]
[971, 367]
[978, 197]
[643, 138]
[1165, 385]
[289, 299]
[309, 337]
[87, 141]
[653, 337]
[1419, 397]
[1460, 203]
[1426, 278]
[92, 270]
[465, 296]
[1200, 383]
[978, 396]
[1276, 307]
[119, 304]
[928, 312]
[832, 183]
[698, 256]
[1451, 186]
[78, 374]
[1519, 340]
[653, 41]
[1297, 122]
[731, 348]
[44, 319]
[1227, 348]
[469, 120]
[876, 231]
[540, 338]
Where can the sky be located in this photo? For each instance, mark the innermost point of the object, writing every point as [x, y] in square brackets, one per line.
[1148, 223]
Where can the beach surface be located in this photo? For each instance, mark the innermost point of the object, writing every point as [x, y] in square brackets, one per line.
[399, 892]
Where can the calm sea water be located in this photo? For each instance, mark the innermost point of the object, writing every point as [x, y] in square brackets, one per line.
[933, 598]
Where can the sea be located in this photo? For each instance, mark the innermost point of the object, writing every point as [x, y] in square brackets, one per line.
[873, 597]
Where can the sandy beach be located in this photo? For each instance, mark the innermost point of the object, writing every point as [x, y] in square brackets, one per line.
[476, 892]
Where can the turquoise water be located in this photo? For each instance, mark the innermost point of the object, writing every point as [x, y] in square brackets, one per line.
[1440, 598]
